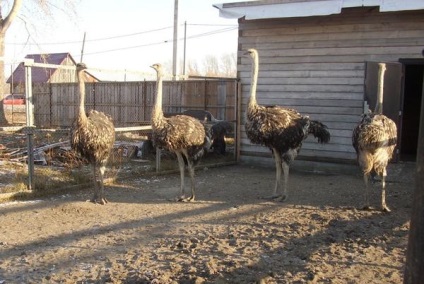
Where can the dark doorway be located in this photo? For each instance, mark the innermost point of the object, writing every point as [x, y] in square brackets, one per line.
[411, 110]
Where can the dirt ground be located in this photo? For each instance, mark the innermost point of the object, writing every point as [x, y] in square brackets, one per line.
[229, 235]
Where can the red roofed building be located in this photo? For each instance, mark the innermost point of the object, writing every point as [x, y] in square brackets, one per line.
[46, 75]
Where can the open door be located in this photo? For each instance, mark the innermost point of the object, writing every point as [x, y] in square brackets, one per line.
[392, 94]
[411, 107]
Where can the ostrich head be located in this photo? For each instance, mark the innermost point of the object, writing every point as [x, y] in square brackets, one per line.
[253, 53]
[158, 68]
[81, 66]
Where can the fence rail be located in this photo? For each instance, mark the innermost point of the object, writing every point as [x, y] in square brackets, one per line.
[130, 103]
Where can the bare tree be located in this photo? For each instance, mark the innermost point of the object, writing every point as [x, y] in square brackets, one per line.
[228, 65]
[193, 68]
[211, 66]
[46, 6]
[4, 26]
[220, 67]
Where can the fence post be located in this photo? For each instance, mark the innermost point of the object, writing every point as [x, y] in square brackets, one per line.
[29, 120]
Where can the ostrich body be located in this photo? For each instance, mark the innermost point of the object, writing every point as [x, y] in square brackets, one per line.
[374, 140]
[280, 129]
[181, 134]
[218, 131]
[92, 137]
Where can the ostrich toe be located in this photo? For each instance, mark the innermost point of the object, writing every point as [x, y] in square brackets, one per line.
[276, 197]
[185, 199]
[385, 208]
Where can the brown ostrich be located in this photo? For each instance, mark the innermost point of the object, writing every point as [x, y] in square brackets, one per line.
[280, 129]
[181, 134]
[92, 137]
[374, 140]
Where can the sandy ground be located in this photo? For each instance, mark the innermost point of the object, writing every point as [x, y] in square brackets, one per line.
[229, 235]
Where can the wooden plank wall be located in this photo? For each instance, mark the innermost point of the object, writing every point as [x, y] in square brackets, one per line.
[130, 103]
[317, 65]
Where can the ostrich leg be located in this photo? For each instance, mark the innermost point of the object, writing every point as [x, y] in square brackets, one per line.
[278, 171]
[96, 185]
[286, 169]
[366, 181]
[102, 200]
[181, 165]
[98, 196]
[384, 206]
[191, 172]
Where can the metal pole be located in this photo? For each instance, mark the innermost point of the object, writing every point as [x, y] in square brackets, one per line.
[185, 44]
[29, 120]
[82, 49]
[175, 42]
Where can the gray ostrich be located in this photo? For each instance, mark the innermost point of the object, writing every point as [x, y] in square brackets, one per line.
[181, 134]
[280, 129]
[92, 137]
[374, 140]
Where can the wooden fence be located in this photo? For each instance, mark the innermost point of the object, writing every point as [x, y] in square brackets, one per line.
[130, 103]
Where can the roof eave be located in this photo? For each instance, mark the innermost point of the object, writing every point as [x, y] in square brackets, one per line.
[269, 9]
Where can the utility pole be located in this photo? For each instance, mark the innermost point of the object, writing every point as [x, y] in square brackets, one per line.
[185, 44]
[82, 49]
[175, 42]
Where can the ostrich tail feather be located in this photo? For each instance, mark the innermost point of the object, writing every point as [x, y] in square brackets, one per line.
[319, 130]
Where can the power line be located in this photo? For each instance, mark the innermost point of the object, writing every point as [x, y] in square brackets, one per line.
[121, 36]
[162, 42]
[98, 39]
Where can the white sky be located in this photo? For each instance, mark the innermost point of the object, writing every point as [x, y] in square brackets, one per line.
[124, 35]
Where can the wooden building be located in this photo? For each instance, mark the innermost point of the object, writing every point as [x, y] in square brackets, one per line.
[320, 57]
[46, 75]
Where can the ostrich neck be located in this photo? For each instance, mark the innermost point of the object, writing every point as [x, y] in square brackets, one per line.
[379, 103]
[81, 84]
[157, 114]
[253, 83]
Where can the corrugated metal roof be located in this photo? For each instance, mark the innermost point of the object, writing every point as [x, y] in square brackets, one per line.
[288, 8]
[40, 75]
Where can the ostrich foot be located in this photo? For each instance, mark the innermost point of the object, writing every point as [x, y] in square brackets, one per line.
[385, 208]
[367, 207]
[281, 198]
[96, 200]
[182, 198]
[276, 197]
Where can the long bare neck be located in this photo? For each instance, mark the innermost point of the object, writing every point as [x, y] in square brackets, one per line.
[81, 85]
[380, 92]
[254, 82]
[157, 113]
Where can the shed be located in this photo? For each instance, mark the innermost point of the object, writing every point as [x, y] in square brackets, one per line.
[46, 75]
[320, 57]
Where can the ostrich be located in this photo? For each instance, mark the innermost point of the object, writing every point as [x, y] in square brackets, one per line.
[92, 137]
[181, 134]
[218, 131]
[374, 140]
[280, 129]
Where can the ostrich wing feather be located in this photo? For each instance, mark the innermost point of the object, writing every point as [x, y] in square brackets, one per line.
[93, 137]
[276, 126]
[374, 132]
[319, 130]
[179, 132]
